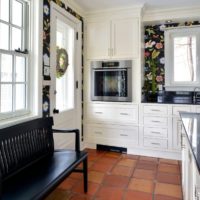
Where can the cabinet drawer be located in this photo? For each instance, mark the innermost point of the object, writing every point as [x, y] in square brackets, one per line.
[177, 109]
[116, 114]
[157, 110]
[155, 132]
[157, 121]
[122, 114]
[158, 143]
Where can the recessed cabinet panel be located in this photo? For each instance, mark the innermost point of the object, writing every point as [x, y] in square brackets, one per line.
[98, 40]
[113, 38]
[125, 36]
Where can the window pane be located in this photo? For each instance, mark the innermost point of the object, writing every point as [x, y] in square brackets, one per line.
[4, 10]
[4, 35]
[17, 13]
[6, 68]
[20, 97]
[65, 84]
[16, 38]
[20, 75]
[185, 59]
[6, 98]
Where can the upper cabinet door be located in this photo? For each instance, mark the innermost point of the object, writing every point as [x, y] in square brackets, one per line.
[125, 38]
[98, 40]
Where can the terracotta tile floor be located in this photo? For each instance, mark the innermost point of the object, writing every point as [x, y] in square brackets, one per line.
[115, 176]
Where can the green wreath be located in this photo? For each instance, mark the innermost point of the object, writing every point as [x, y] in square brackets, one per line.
[61, 62]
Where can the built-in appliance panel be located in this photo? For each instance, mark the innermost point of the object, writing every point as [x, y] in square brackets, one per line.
[111, 81]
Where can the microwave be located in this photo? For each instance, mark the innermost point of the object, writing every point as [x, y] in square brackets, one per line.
[111, 81]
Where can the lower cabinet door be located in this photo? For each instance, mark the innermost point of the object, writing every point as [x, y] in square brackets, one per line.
[116, 135]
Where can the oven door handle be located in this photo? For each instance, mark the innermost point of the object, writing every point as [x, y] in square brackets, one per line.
[109, 70]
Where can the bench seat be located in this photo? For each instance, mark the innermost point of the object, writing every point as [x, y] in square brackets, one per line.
[37, 179]
[30, 167]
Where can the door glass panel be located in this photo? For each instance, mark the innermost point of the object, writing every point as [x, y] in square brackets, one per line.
[6, 68]
[17, 13]
[16, 43]
[4, 10]
[185, 65]
[4, 35]
[20, 96]
[65, 79]
[20, 73]
[6, 98]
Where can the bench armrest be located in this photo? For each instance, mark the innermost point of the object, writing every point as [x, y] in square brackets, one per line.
[77, 137]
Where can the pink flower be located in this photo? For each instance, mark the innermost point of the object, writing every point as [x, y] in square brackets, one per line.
[159, 78]
[146, 54]
[159, 45]
[150, 44]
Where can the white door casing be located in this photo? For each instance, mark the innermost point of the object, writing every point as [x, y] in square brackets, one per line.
[65, 32]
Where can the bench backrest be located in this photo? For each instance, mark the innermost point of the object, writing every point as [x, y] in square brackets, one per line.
[25, 143]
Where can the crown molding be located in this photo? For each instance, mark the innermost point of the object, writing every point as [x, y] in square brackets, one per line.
[173, 13]
[135, 10]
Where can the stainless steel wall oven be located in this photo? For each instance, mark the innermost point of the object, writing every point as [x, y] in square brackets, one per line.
[111, 81]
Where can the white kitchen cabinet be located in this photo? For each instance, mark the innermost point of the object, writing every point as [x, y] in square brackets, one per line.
[98, 39]
[113, 38]
[118, 135]
[190, 173]
[177, 125]
[155, 130]
[122, 114]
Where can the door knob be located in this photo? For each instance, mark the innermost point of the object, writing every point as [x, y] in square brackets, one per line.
[55, 111]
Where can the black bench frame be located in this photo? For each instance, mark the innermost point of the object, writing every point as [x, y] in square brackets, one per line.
[11, 168]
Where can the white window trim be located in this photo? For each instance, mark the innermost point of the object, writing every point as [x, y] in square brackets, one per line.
[170, 33]
[36, 46]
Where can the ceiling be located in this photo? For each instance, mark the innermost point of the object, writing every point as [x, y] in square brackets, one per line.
[95, 5]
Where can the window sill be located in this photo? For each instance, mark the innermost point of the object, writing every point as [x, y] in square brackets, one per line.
[17, 120]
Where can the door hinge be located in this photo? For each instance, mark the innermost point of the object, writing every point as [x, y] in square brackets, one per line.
[76, 84]
[76, 35]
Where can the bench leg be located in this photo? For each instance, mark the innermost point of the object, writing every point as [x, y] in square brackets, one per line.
[85, 174]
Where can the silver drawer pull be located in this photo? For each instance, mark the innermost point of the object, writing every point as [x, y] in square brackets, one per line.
[154, 110]
[158, 144]
[99, 133]
[98, 112]
[155, 132]
[123, 113]
[124, 135]
[155, 121]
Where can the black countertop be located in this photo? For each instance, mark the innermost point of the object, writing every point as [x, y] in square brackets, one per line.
[191, 123]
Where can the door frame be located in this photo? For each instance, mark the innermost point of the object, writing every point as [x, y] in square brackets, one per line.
[77, 62]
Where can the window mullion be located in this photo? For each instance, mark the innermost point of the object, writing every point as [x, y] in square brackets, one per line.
[14, 84]
[0, 83]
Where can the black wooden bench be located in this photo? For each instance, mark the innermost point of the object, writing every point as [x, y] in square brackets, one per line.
[30, 168]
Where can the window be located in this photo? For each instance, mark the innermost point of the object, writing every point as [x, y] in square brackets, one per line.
[182, 51]
[20, 60]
